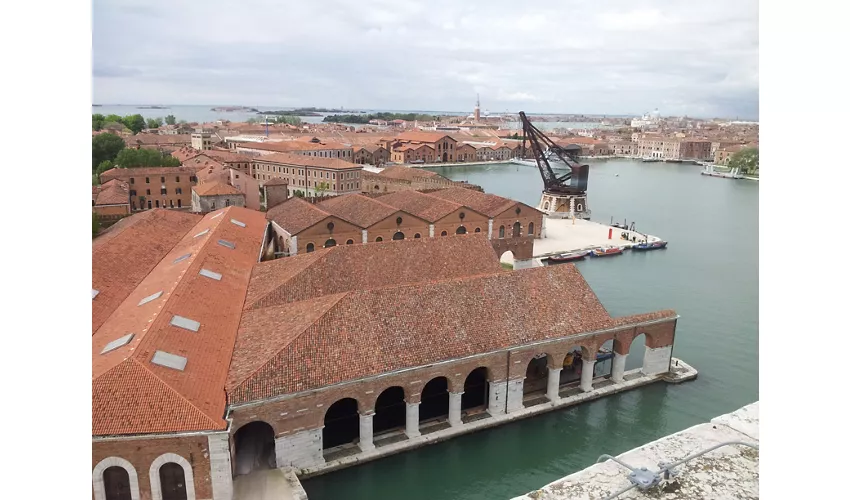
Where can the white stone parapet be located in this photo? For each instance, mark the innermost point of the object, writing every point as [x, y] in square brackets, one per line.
[657, 360]
[301, 449]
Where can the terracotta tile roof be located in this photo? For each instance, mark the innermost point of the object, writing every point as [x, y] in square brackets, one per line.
[295, 215]
[488, 204]
[199, 162]
[407, 173]
[357, 209]
[417, 136]
[308, 161]
[128, 250]
[276, 181]
[346, 268]
[430, 208]
[215, 188]
[131, 394]
[383, 329]
[228, 156]
[114, 192]
[287, 146]
[185, 153]
[157, 139]
[121, 173]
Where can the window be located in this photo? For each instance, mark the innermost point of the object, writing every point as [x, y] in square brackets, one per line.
[163, 191]
[349, 242]
[147, 180]
[398, 235]
[531, 228]
[444, 233]
[132, 180]
[179, 203]
[517, 230]
[132, 192]
[170, 203]
[330, 243]
[501, 231]
[179, 190]
[157, 203]
[416, 236]
[310, 247]
[461, 230]
[193, 179]
[162, 179]
[212, 206]
[149, 204]
[379, 239]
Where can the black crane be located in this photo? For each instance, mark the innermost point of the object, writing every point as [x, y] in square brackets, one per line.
[574, 181]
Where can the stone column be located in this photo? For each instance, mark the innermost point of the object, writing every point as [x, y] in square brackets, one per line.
[412, 421]
[543, 228]
[221, 475]
[515, 395]
[293, 245]
[366, 443]
[498, 395]
[430, 230]
[489, 229]
[618, 367]
[553, 383]
[455, 399]
[365, 236]
[587, 374]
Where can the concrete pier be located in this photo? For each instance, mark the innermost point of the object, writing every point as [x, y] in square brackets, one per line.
[568, 235]
[727, 472]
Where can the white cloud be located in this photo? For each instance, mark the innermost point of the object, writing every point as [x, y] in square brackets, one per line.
[612, 57]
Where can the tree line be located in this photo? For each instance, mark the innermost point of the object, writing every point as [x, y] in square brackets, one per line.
[109, 151]
[379, 116]
[135, 123]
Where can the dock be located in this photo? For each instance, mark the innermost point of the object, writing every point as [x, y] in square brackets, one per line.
[727, 471]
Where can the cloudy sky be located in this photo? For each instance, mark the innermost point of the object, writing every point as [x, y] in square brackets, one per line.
[597, 57]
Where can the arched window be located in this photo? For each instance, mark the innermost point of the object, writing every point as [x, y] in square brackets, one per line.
[349, 242]
[171, 478]
[109, 484]
[398, 235]
[417, 235]
[444, 233]
[172, 481]
[477, 229]
[461, 230]
[379, 239]
[310, 247]
[501, 231]
[116, 483]
[531, 228]
[330, 243]
[517, 230]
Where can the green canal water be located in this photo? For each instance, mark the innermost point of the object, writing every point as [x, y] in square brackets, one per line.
[708, 274]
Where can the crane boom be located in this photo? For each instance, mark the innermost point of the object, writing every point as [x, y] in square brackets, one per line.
[572, 182]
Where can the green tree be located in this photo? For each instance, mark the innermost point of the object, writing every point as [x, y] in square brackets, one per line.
[321, 188]
[154, 122]
[747, 160]
[136, 123]
[105, 147]
[103, 167]
[132, 158]
[171, 120]
[95, 225]
[113, 119]
[298, 193]
[97, 121]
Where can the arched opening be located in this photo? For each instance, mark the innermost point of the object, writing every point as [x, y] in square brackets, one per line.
[116, 483]
[546, 205]
[254, 448]
[378, 239]
[389, 411]
[477, 229]
[444, 233]
[310, 247]
[435, 400]
[573, 364]
[604, 360]
[349, 242]
[636, 352]
[531, 229]
[461, 230]
[172, 480]
[398, 235]
[330, 243]
[416, 236]
[501, 231]
[445, 157]
[536, 375]
[507, 259]
[517, 230]
[476, 392]
[342, 424]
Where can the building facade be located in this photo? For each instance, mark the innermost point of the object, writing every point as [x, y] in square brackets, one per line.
[312, 176]
[156, 187]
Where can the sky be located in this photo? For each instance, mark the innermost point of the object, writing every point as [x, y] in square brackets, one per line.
[613, 57]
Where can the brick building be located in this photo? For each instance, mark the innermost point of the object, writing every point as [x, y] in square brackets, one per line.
[322, 355]
[189, 157]
[237, 179]
[212, 195]
[442, 145]
[111, 201]
[156, 187]
[320, 149]
[370, 154]
[307, 173]
[401, 178]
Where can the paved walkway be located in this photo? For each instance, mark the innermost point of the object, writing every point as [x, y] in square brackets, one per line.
[729, 472]
[274, 484]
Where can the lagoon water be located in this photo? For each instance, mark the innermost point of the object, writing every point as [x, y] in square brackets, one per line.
[708, 274]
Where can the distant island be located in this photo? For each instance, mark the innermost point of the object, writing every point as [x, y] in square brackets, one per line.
[303, 112]
[153, 107]
[379, 116]
[230, 109]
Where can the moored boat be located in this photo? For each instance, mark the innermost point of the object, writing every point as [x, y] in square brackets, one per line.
[567, 257]
[606, 251]
[655, 245]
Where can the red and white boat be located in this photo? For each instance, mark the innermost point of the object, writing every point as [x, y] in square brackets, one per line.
[606, 251]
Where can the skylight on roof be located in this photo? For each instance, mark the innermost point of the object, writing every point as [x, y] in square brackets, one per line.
[150, 298]
[227, 244]
[94, 293]
[205, 231]
[169, 360]
[115, 344]
[181, 258]
[238, 223]
[216, 216]
[181, 322]
[210, 274]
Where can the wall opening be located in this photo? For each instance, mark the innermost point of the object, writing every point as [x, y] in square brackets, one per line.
[330, 243]
[172, 480]
[461, 230]
[507, 259]
[476, 391]
[116, 483]
[536, 375]
[398, 235]
[604, 360]
[517, 232]
[342, 424]
[390, 411]
[435, 400]
[636, 352]
[254, 445]
[571, 371]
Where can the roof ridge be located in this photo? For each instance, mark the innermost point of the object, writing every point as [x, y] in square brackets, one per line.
[317, 257]
[339, 297]
[173, 390]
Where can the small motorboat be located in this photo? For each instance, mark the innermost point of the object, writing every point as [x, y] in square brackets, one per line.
[606, 251]
[567, 257]
[655, 245]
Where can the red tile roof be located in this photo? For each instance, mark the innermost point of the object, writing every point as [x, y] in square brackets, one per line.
[121, 173]
[131, 394]
[200, 162]
[362, 333]
[346, 268]
[114, 192]
[407, 173]
[488, 204]
[308, 161]
[357, 209]
[287, 146]
[295, 215]
[276, 181]
[417, 136]
[215, 188]
[430, 208]
[127, 251]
